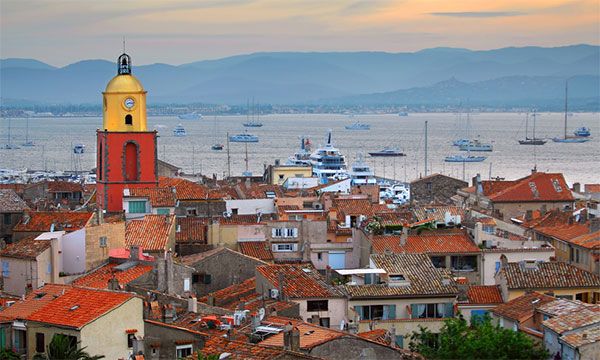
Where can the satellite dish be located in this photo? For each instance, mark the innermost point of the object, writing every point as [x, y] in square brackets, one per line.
[261, 313]
[342, 324]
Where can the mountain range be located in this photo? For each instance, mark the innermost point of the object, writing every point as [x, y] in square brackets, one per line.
[440, 76]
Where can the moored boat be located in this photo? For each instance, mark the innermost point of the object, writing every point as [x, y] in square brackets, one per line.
[358, 126]
[464, 158]
[179, 131]
[190, 116]
[387, 152]
[244, 138]
[476, 145]
[582, 132]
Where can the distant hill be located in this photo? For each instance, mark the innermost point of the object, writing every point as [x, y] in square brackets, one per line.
[296, 78]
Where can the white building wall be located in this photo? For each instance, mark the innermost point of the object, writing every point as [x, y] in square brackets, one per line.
[251, 206]
[72, 246]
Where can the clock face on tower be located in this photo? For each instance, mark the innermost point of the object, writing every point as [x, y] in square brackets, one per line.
[129, 103]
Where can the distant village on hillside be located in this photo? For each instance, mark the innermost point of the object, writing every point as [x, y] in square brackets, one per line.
[304, 261]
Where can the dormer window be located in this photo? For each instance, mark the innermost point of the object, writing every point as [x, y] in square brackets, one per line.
[397, 277]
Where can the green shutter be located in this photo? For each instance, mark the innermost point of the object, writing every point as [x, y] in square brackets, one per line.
[359, 311]
[400, 341]
[162, 211]
[449, 310]
[137, 207]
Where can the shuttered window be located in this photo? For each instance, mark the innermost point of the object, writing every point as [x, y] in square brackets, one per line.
[137, 207]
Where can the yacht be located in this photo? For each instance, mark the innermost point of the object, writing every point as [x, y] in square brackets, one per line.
[244, 138]
[533, 140]
[358, 126]
[565, 138]
[179, 131]
[461, 142]
[79, 149]
[582, 132]
[387, 152]
[464, 158]
[302, 156]
[217, 147]
[476, 145]
[399, 193]
[190, 116]
[252, 123]
[361, 173]
[327, 162]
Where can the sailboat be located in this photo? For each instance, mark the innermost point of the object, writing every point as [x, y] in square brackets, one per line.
[27, 143]
[253, 122]
[568, 139]
[533, 140]
[216, 146]
[9, 145]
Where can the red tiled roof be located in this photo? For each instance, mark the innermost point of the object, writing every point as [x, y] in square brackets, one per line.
[65, 305]
[352, 206]
[64, 186]
[150, 233]
[592, 188]
[377, 335]
[244, 219]
[310, 335]
[27, 248]
[11, 202]
[232, 292]
[535, 187]
[522, 308]
[428, 242]
[239, 350]
[158, 197]
[191, 229]
[564, 231]
[589, 241]
[548, 275]
[188, 190]
[574, 320]
[299, 281]
[259, 191]
[99, 278]
[484, 294]
[258, 249]
[41, 221]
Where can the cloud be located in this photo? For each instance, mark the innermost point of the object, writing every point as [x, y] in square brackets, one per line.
[478, 14]
[364, 6]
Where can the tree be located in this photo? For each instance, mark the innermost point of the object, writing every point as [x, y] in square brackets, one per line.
[481, 340]
[8, 354]
[63, 348]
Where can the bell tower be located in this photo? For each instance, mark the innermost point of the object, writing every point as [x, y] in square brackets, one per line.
[127, 156]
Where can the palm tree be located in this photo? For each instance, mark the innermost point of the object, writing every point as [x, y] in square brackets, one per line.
[63, 348]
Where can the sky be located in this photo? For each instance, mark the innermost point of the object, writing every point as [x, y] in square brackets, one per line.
[60, 32]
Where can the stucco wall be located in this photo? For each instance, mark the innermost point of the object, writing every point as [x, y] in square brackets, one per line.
[73, 252]
[349, 347]
[159, 342]
[336, 311]
[106, 335]
[115, 239]
[251, 206]
[49, 332]
[23, 272]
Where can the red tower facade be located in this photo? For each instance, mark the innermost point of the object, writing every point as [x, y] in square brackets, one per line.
[126, 151]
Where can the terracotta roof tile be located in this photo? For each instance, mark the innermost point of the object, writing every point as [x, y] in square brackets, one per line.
[589, 241]
[310, 335]
[99, 278]
[238, 349]
[418, 270]
[437, 212]
[428, 242]
[522, 308]
[377, 335]
[64, 186]
[576, 319]
[11, 202]
[548, 275]
[535, 187]
[34, 301]
[581, 337]
[150, 233]
[258, 249]
[592, 188]
[353, 206]
[191, 229]
[299, 281]
[484, 294]
[196, 258]
[27, 248]
[563, 307]
[158, 197]
[188, 190]
[41, 221]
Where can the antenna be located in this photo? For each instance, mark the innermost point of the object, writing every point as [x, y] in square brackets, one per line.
[261, 314]
[123, 44]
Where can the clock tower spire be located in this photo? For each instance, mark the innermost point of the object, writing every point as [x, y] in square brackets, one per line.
[127, 156]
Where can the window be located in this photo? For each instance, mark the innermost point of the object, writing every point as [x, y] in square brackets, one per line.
[478, 316]
[183, 351]
[432, 311]
[103, 241]
[439, 261]
[163, 211]
[317, 305]
[191, 212]
[5, 269]
[270, 194]
[497, 266]
[130, 339]
[40, 344]
[207, 279]
[397, 277]
[128, 119]
[186, 284]
[464, 263]
[137, 207]
[320, 256]
[49, 268]
[324, 322]
[284, 247]
[284, 232]
[281, 176]
[6, 219]
[131, 162]
[376, 312]
[277, 233]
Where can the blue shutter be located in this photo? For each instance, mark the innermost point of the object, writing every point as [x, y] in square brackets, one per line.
[5, 268]
[414, 311]
[449, 310]
[400, 341]
[49, 269]
[477, 316]
[368, 278]
[389, 312]
[497, 266]
[359, 311]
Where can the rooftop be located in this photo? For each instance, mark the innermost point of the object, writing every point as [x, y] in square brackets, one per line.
[42, 221]
[150, 233]
[28, 248]
[188, 190]
[99, 278]
[539, 186]
[427, 242]
[573, 320]
[158, 197]
[582, 337]
[548, 275]
[258, 249]
[196, 258]
[310, 335]
[484, 294]
[299, 281]
[191, 229]
[560, 307]
[523, 307]
[239, 350]
[11, 202]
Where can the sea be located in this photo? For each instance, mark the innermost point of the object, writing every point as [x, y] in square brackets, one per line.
[280, 136]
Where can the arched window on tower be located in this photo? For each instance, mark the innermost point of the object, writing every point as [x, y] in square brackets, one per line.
[131, 162]
[128, 119]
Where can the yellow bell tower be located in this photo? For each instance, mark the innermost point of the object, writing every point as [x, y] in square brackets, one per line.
[124, 101]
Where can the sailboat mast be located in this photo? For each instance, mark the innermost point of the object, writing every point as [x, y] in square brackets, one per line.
[566, 105]
[8, 131]
[527, 126]
[425, 148]
[27, 132]
[246, 157]
[534, 118]
[228, 158]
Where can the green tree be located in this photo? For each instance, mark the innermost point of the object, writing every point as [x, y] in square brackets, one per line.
[62, 348]
[481, 340]
[8, 354]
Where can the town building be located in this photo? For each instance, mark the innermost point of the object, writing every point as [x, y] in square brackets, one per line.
[435, 189]
[12, 208]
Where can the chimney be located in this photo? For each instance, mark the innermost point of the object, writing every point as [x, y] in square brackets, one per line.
[100, 216]
[543, 210]
[295, 339]
[462, 291]
[404, 236]
[168, 314]
[287, 337]
[134, 253]
[193, 304]
[211, 300]
[529, 215]
[577, 187]
[328, 274]
[169, 273]
[315, 320]
[280, 280]
[479, 188]
[113, 283]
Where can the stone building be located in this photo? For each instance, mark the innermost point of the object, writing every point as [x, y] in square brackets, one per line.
[435, 189]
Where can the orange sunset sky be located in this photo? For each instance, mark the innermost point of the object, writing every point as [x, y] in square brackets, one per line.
[61, 32]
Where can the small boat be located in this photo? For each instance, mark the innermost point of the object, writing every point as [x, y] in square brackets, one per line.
[358, 126]
[403, 113]
[569, 139]
[9, 145]
[27, 143]
[190, 116]
[464, 159]
[79, 149]
[387, 152]
[252, 123]
[179, 131]
[582, 132]
[476, 145]
[217, 147]
[328, 162]
[244, 138]
[461, 142]
[533, 140]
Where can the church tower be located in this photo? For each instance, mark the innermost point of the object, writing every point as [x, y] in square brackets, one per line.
[127, 156]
